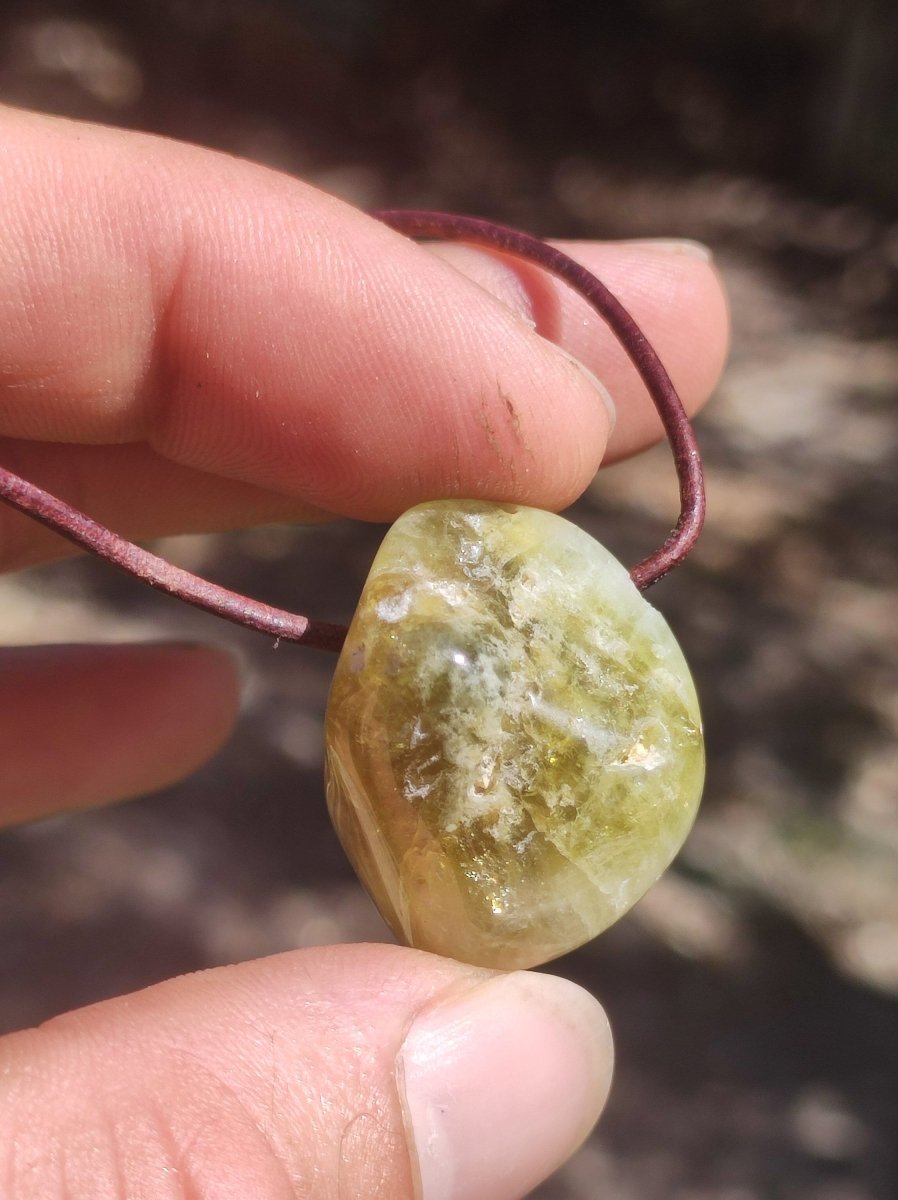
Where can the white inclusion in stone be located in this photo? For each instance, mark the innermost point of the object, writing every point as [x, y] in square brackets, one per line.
[470, 551]
[418, 733]
[454, 594]
[394, 608]
[640, 755]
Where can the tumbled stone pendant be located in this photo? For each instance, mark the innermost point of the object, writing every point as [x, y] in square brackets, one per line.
[513, 742]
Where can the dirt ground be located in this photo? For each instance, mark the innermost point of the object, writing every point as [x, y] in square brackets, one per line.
[754, 991]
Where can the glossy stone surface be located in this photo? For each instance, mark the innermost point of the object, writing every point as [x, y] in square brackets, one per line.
[514, 749]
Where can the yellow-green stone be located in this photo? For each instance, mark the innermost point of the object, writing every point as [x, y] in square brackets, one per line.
[514, 748]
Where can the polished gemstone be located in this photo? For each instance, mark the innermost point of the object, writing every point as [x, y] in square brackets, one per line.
[514, 748]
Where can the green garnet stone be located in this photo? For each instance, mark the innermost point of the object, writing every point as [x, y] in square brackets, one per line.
[514, 747]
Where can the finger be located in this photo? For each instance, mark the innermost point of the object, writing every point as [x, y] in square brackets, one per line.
[346, 1071]
[244, 324]
[83, 725]
[143, 494]
[671, 289]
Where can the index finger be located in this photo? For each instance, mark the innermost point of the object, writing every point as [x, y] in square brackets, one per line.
[238, 322]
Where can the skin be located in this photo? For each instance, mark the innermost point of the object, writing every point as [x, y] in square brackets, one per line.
[189, 342]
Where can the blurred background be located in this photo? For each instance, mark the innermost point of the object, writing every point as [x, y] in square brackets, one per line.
[755, 989]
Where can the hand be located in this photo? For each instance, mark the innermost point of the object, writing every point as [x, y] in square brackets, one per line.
[189, 342]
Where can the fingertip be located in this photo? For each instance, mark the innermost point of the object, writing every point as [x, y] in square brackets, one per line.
[672, 289]
[677, 296]
[396, 381]
[85, 725]
[501, 1083]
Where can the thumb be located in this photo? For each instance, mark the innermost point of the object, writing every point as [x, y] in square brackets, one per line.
[350, 1072]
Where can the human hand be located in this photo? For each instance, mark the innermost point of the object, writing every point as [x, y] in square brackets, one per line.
[190, 342]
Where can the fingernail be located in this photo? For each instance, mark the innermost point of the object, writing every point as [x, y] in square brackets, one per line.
[501, 1084]
[604, 394]
[687, 246]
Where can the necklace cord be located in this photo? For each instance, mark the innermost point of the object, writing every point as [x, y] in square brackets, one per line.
[90, 535]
